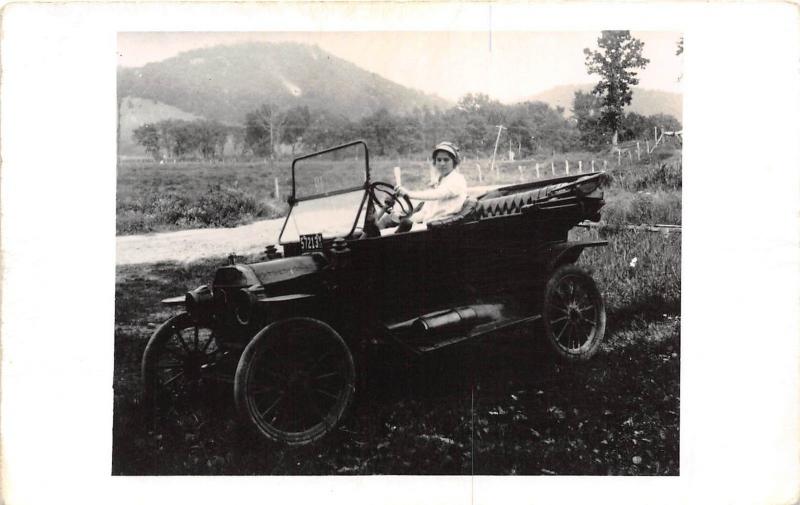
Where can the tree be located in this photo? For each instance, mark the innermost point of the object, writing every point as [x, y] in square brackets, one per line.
[408, 136]
[210, 137]
[586, 112]
[380, 128]
[477, 115]
[262, 129]
[184, 136]
[147, 136]
[329, 129]
[619, 54]
[296, 123]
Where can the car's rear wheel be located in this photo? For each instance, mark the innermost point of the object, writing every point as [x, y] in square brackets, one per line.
[176, 361]
[295, 380]
[573, 314]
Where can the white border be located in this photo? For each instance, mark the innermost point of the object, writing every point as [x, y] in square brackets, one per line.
[739, 412]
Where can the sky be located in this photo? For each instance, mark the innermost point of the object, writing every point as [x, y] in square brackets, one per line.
[507, 66]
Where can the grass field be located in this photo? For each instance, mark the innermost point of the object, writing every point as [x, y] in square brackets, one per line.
[153, 197]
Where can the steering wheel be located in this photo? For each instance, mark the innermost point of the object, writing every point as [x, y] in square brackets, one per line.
[384, 196]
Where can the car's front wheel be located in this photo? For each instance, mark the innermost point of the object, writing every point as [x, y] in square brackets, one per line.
[295, 380]
[573, 314]
[176, 361]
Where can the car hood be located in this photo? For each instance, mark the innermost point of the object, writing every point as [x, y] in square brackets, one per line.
[276, 271]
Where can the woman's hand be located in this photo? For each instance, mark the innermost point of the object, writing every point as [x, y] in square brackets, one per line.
[400, 191]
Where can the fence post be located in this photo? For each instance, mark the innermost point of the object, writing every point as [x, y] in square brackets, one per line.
[537, 171]
[277, 190]
[480, 174]
[619, 157]
[521, 173]
[592, 165]
[580, 166]
[638, 152]
[630, 157]
[553, 167]
[605, 165]
[655, 136]
[647, 144]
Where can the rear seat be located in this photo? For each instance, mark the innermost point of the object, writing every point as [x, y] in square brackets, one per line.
[512, 204]
[502, 205]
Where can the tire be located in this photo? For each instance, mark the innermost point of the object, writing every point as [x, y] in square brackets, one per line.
[295, 381]
[573, 314]
[174, 363]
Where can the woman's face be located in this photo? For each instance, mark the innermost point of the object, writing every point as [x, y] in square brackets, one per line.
[443, 162]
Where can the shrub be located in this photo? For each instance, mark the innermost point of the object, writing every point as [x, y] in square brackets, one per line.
[623, 208]
[644, 289]
[665, 174]
[218, 206]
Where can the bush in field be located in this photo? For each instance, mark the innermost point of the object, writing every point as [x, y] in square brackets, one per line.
[639, 273]
[218, 206]
[664, 173]
[222, 207]
[660, 207]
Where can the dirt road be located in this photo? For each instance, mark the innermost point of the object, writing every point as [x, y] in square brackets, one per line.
[189, 245]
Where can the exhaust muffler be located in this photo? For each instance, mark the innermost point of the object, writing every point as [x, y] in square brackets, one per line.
[459, 318]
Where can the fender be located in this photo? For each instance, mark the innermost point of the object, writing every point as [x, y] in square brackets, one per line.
[569, 252]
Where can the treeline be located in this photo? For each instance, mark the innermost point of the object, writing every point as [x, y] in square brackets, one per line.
[179, 139]
[528, 128]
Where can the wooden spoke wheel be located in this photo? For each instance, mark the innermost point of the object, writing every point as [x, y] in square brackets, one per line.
[573, 314]
[295, 380]
[175, 363]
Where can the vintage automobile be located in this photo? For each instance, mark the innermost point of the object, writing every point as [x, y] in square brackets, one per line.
[291, 332]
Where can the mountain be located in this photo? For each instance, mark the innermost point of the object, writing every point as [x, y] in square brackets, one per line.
[645, 101]
[224, 83]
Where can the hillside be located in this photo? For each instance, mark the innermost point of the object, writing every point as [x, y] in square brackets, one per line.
[645, 101]
[226, 82]
[135, 112]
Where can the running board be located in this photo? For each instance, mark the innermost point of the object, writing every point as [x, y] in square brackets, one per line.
[478, 331]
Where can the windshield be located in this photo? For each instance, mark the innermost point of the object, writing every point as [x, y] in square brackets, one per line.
[333, 216]
[331, 171]
[328, 193]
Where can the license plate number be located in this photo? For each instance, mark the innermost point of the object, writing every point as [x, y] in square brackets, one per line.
[312, 242]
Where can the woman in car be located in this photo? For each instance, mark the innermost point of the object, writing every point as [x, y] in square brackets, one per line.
[446, 197]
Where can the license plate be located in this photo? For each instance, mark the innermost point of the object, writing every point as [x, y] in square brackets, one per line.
[312, 242]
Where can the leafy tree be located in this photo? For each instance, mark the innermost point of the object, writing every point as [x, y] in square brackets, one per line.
[184, 138]
[665, 122]
[586, 109]
[147, 136]
[237, 139]
[477, 115]
[209, 136]
[262, 129]
[380, 128]
[618, 55]
[408, 136]
[635, 126]
[295, 125]
[328, 129]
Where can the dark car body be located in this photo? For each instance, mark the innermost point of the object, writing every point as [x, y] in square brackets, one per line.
[341, 286]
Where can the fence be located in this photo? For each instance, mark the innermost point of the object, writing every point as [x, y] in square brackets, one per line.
[623, 154]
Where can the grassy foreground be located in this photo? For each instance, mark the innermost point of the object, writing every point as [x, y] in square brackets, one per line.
[495, 407]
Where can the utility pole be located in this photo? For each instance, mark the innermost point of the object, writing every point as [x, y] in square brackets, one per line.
[499, 130]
